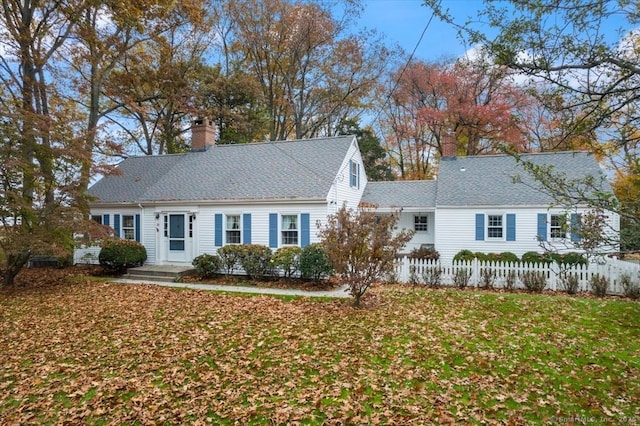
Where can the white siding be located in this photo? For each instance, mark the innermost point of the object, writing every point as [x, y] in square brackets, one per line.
[455, 230]
[204, 224]
[150, 230]
[111, 212]
[406, 221]
[341, 192]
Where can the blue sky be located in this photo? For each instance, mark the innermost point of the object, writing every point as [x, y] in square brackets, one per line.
[402, 22]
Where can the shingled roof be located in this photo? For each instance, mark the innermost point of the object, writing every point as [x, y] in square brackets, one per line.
[397, 194]
[301, 169]
[488, 180]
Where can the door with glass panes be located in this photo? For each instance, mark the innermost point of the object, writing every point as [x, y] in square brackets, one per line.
[178, 234]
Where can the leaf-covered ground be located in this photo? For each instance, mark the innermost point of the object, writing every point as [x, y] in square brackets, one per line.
[91, 352]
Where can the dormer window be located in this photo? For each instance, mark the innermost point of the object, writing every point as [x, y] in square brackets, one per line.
[354, 174]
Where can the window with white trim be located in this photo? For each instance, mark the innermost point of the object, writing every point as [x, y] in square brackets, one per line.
[353, 181]
[495, 226]
[233, 229]
[97, 218]
[558, 226]
[290, 229]
[420, 223]
[128, 227]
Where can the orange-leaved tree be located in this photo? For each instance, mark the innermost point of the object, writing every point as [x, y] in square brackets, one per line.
[362, 246]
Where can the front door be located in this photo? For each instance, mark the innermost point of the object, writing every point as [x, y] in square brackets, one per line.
[176, 241]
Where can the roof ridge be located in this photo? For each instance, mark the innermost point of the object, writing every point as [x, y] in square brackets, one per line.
[573, 152]
[281, 142]
[403, 181]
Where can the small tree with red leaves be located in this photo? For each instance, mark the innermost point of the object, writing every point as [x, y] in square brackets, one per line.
[362, 246]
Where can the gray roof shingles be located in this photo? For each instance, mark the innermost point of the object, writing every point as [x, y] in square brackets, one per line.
[302, 169]
[306, 169]
[488, 180]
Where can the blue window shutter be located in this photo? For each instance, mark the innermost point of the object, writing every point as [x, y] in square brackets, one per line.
[575, 227]
[305, 228]
[137, 228]
[542, 226]
[358, 175]
[217, 230]
[116, 224]
[246, 228]
[105, 219]
[273, 230]
[511, 227]
[479, 226]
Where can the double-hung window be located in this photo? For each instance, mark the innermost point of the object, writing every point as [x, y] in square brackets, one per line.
[354, 174]
[494, 226]
[233, 229]
[128, 227]
[97, 218]
[290, 229]
[420, 223]
[557, 226]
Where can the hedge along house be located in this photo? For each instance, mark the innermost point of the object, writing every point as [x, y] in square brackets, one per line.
[273, 193]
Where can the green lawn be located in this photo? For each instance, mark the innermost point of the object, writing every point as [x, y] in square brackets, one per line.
[100, 353]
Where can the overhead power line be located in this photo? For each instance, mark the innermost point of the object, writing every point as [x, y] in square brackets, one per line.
[404, 68]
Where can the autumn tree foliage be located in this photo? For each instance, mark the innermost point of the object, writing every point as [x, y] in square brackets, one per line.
[626, 186]
[580, 61]
[469, 104]
[154, 83]
[105, 34]
[312, 75]
[362, 246]
[40, 153]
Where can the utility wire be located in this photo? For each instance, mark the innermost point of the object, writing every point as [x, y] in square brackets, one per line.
[406, 65]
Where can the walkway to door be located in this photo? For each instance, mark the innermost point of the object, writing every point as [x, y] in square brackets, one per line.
[165, 275]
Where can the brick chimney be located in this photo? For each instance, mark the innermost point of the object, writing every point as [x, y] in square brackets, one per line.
[448, 146]
[203, 134]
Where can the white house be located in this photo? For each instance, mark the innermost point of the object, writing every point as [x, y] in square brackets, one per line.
[271, 193]
[489, 204]
[274, 193]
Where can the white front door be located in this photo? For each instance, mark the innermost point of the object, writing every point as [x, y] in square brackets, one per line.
[177, 237]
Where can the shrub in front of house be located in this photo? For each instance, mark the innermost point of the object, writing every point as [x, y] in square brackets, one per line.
[424, 253]
[287, 259]
[508, 257]
[432, 276]
[462, 277]
[511, 279]
[314, 263]
[536, 258]
[599, 285]
[117, 255]
[534, 281]
[255, 259]
[230, 257]
[630, 288]
[483, 257]
[570, 282]
[487, 278]
[207, 265]
[570, 259]
[464, 256]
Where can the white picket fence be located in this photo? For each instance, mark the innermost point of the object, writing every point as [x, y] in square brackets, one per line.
[414, 270]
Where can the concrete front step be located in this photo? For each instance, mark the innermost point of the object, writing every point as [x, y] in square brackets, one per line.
[164, 273]
[149, 278]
